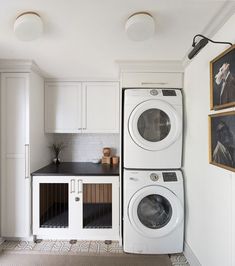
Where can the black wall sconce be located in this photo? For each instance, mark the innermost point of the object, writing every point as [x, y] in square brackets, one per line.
[202, 43]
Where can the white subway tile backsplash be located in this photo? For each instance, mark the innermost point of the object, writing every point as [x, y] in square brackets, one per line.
[85, 147]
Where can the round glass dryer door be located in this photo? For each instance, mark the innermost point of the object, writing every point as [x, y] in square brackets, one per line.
[155, 211]
[154, 125]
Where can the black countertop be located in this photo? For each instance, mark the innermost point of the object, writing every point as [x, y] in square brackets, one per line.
[80, 168]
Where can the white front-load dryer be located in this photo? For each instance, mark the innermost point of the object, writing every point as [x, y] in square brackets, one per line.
[153, 211]
[152, 129]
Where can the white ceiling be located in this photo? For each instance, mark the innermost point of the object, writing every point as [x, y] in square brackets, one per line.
[84, 38]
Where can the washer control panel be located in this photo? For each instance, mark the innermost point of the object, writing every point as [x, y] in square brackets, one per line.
[154, 177]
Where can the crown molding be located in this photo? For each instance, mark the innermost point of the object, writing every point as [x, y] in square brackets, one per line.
[150, 66]
[19, 66]
[219, 19]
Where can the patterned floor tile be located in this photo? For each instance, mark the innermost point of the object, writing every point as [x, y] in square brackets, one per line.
[61, 246]
[64, 247]
[179, 260]
[9, 245]
[46, 245]
[80, 246]
[95, 247]
[25, 245]
[115, 248]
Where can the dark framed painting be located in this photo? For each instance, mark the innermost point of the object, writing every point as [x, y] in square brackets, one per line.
[222, 140]
[222, 80]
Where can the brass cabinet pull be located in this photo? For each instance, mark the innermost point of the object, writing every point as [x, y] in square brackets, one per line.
[27, 174]
[72, 185]
[153, 83]
[80, 186]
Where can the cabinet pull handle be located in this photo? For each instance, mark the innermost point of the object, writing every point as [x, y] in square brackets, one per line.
[80, 186]
[84, 123]
[152, 83]
[26, 147]
[72, 185]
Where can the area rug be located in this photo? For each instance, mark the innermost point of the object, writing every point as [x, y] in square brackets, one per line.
[10, 259]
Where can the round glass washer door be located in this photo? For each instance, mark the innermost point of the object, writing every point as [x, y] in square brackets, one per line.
[155, 211]
[154, 125]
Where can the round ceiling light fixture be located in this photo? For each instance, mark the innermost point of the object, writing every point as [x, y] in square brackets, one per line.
[28, 26]
[140, 26]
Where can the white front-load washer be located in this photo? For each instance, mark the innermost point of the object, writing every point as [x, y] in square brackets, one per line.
[152, 129]
[153, 211]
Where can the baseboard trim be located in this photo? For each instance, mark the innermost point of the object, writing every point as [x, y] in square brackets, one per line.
[190, 256]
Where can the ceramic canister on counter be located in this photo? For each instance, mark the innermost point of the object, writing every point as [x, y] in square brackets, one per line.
[115, 160]
[106, 151]
[106, 159]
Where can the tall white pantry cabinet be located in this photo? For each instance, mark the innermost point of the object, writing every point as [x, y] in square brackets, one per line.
[24, 145]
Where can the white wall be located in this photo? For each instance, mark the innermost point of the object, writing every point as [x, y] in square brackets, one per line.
[210, 190]
[40, 154]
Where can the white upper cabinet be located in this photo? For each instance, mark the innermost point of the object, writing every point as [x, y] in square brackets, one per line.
[63, 107]
[101, 107]
[157, 80]
[88, 107]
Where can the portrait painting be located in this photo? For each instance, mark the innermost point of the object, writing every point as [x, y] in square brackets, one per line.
[222, 80]
[222, 140]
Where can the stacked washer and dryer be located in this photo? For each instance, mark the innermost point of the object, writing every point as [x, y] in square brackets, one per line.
[153, 195]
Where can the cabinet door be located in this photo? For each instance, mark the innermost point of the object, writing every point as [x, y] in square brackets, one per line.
[63, 107]
[101, 107]
[156, 80]
[15, 179]
[99, 205]
[76, 207]
[53, 201]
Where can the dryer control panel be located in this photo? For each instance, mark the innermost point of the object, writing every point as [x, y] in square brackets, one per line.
[169, 176]
[154, 177]
[168, 93]
[153, 92]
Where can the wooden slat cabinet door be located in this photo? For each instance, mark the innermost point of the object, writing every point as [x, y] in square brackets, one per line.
[99, 201]
[53, 202]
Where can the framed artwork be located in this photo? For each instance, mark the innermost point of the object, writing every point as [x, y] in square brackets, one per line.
[222, 80]
[222, 140]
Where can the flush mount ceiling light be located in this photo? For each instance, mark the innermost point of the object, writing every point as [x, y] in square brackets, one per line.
[140, 26]
[28, 26]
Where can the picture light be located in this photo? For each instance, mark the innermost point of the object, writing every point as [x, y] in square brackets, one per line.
[202, 43]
